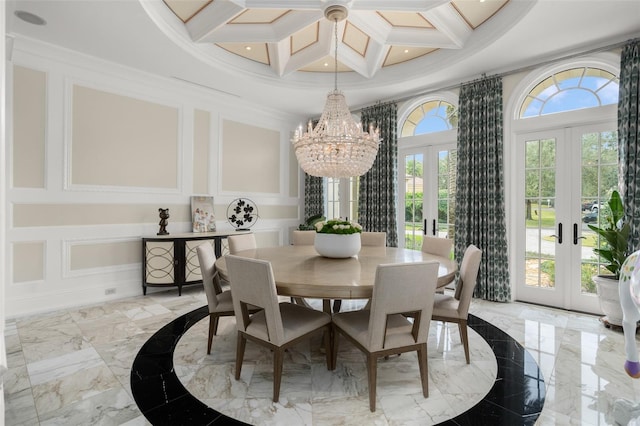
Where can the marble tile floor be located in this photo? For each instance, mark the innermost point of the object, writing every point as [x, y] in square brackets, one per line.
[73, 367]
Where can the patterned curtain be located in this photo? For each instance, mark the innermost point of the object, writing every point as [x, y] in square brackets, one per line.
[480, 207]
[379, 186]
[313, 196]
[629, 145]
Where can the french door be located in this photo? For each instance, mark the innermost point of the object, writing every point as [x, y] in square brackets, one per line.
[426, 182]
[564, 177]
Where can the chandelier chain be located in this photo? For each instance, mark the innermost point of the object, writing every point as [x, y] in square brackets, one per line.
[335, 57]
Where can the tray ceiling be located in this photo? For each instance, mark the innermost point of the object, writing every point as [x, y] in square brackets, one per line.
[375, 35]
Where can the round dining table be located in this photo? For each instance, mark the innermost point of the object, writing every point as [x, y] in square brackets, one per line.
[299, 271]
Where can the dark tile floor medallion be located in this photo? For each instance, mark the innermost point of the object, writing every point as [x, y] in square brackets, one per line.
[516, 398]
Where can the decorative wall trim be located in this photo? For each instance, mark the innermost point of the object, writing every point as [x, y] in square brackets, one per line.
[72, 83]
[67, 260]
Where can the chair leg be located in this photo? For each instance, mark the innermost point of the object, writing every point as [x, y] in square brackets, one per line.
[278, 359]
[372, 370]
[424, 370]
[215, 325]
[242, 343]
[462, 326]
[336, 305]
[211, 333]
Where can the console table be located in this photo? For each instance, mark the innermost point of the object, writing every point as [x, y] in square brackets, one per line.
[171, 260]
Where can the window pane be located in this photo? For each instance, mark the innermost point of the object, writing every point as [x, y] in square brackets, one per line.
[570, 90]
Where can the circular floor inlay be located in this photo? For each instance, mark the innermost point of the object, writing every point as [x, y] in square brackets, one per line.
[310, 394]
[201, 389]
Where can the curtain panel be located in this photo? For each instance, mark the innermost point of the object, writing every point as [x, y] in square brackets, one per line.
[629, 146]
[313, 196]
[480, 206]
[378, 188]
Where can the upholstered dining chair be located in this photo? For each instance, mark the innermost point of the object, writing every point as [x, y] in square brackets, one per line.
[406, 288]
[440, 247]
[371, 239]
[218, 301]
[375, 239]
[455, 308]
[277, 326]
[303, 238]
[436, 245]
[241, 242]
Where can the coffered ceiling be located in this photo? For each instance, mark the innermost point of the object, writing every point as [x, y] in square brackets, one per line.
[280, 53]
[374, 35]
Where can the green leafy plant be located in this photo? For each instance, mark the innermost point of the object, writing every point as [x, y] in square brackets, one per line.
[338, 226]
[310, 223]
[615, 233]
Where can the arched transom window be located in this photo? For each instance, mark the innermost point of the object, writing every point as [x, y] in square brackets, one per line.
[571, 89]
[429, 117]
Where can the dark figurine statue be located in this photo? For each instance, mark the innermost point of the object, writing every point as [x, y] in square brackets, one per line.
[164, 215]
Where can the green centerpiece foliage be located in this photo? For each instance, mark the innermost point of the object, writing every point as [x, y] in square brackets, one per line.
[615, 232]
[338, 226]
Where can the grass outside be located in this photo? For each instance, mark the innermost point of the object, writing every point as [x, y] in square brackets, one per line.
[547, 219]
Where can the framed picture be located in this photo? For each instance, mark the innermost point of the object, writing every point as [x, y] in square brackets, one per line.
[202, 215]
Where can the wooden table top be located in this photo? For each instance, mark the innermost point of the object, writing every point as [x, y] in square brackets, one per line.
[299, 271]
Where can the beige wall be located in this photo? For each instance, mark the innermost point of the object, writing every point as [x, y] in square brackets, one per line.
[122, 141]
[28, 261]
[97, 150]
[29, 125]
[201, 157]
[250, 158]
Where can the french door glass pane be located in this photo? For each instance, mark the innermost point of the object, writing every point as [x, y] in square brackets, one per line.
[333, 198]
[540, 196]
[413, 201]
[599, 180]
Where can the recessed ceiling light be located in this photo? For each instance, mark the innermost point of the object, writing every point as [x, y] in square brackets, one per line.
[247, 48]
[30, 17]
[406, 50]
[326, 64]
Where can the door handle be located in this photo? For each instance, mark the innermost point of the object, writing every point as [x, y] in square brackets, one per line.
[424, 227]
[575, 234]
[434, 228]
[559, 236]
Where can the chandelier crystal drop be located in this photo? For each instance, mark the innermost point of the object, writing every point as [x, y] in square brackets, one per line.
[337, 147]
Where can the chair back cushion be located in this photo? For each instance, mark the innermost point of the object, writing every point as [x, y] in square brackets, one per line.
[400, 288]
[303, 238]
[374, 239]
[468, 277]
[241, 242]
[207, 259]
[252, 282]
[438, 246]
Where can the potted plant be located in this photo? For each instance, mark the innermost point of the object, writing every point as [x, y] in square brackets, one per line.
[337, 238]
[614, 232]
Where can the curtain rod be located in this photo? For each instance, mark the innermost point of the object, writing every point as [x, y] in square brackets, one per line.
[504, 73]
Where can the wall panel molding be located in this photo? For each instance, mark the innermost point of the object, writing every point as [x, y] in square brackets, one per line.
[83, 257]
[115, 140]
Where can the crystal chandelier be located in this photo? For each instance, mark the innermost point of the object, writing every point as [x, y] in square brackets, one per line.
[337, 147]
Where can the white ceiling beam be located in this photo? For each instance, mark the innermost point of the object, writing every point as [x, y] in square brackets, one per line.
[420, 37]
[284, 4]
[215, 15]
[397, 5]
[275, 32]
[279, 56]
[449, 22]
[315, 52]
